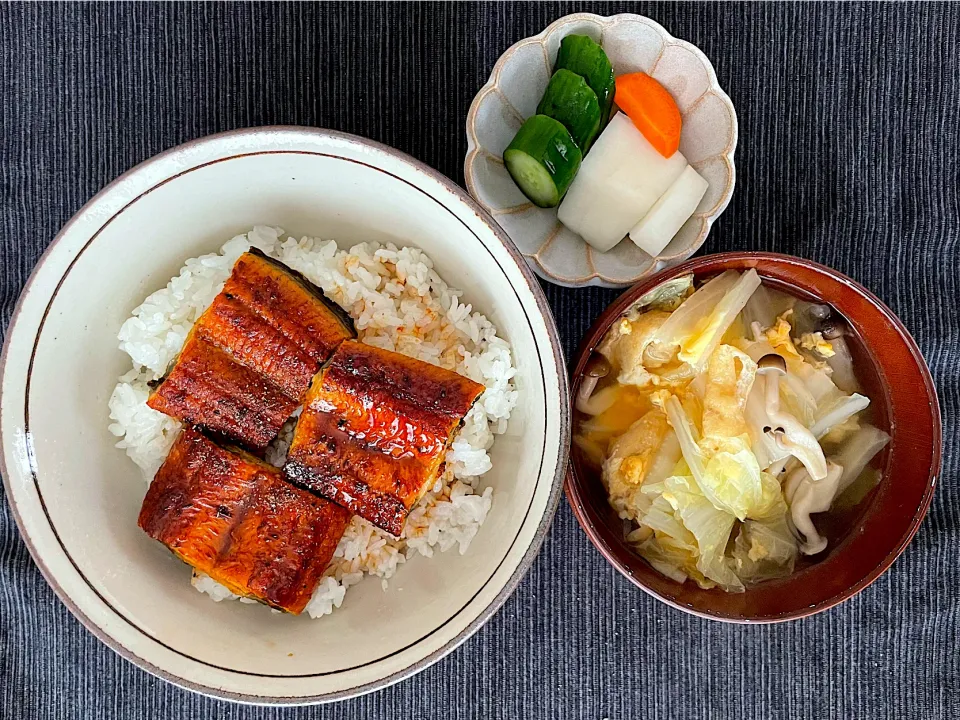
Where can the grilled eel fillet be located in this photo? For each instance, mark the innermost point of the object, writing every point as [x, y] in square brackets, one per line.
[249, 358]
[374, 429]
[236, 519]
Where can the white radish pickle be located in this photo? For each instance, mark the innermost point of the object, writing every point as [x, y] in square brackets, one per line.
[618, 183]
[657, 228]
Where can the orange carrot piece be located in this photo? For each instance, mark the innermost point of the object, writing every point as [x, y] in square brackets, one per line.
[651, 108]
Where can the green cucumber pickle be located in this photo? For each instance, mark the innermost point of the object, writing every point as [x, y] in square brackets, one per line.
[580, 54]
[543, 159]
[569, 100]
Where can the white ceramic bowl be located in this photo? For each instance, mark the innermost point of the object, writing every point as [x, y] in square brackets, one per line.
[75, 496]
[633, 43]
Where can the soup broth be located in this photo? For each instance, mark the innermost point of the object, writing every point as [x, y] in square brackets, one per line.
[737, 428]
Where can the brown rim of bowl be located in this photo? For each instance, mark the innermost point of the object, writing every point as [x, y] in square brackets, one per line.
[709, 262]
[550, 509]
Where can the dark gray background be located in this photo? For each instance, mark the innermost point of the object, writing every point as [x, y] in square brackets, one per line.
[848, 155]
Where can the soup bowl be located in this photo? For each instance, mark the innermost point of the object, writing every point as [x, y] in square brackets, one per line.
[865, 541]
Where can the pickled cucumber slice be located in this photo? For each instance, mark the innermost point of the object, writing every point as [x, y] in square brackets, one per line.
[570, 100]
[543, 159]
[582, 55]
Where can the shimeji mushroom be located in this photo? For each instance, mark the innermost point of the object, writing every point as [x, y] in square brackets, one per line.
[841, 362]
[806, 497]
[598, 367]
[789, 433]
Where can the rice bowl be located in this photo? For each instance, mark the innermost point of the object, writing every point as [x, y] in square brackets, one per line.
[75, 496]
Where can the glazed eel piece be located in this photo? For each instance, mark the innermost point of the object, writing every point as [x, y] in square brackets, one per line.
[250, 357]
[374, 430]
[233, 517]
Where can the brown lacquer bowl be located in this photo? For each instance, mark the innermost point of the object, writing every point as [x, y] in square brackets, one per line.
[864, 544]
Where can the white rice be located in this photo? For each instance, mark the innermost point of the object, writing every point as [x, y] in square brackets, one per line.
[398, 302]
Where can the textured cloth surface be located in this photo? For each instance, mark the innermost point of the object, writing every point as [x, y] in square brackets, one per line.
[848, 155]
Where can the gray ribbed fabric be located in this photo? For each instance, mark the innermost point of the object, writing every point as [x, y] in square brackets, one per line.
[848, 155]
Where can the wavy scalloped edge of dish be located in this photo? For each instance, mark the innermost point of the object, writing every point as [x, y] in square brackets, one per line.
[706, 218]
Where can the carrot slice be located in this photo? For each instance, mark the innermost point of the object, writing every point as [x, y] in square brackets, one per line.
[651, 108]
